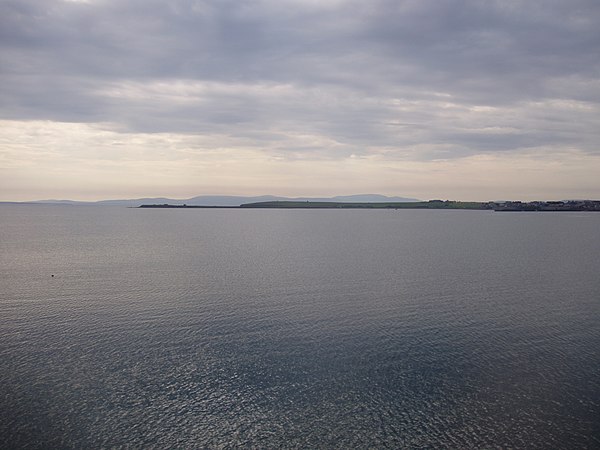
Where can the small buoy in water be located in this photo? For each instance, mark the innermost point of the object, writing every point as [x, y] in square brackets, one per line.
[52, 275]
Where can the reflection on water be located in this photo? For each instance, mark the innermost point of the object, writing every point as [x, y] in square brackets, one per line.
[298, 328]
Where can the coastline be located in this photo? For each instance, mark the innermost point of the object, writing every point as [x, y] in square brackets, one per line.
[517, 206]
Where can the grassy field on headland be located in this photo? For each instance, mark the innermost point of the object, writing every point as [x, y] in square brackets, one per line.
[434, 204]
[571, 205]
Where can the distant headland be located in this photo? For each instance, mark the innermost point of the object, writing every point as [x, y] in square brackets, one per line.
[225, 200]
[571, 205]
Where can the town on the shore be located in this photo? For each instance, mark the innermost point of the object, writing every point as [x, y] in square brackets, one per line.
[569, 205]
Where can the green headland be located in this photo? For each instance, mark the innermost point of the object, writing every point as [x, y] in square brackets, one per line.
[432, 204]
[571, 205]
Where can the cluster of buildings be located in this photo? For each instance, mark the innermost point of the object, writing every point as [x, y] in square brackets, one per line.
[568, 205]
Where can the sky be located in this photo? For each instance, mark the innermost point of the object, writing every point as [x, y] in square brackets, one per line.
[452, 99]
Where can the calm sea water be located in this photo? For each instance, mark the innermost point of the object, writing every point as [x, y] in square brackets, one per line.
[298, 328]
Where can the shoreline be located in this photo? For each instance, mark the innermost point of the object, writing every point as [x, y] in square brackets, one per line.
[569, 206]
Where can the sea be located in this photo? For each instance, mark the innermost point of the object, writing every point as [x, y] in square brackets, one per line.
[282, 328]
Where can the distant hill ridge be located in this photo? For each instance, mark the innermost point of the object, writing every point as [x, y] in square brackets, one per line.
[230, 200]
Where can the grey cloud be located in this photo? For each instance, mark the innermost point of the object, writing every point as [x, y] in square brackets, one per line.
[343, 65]
[484, 50]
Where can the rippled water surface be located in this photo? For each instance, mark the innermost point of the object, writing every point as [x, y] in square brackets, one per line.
[298, 328]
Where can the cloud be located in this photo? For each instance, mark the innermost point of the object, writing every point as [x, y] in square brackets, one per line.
[397, 80]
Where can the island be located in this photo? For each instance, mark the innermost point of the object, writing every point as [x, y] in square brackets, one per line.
[569, 205]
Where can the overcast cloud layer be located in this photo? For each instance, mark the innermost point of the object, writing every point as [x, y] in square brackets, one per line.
[448, 98]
